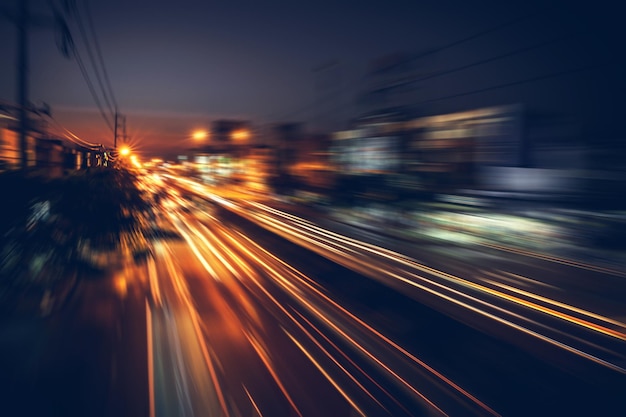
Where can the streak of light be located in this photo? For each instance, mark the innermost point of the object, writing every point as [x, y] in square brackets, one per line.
[370, 355]
[154, 286]
[523, 281]
[326, 375]
[534, 306]
[458, 280]
[533, 281]
[557, 260]
[194, 248]
[227, 257]
[310, 308]
[414, 264]
[347, 358]
[281, 213]
[150, 355]
[182, 387]
[339, 247]
[183, 295]
[307, 282]
[332, 325]
[590, 314]
[268, 364]
[213, 249]
[519, 327]
[537, 307]
[256, 407]
[514, 250]
[407, 261]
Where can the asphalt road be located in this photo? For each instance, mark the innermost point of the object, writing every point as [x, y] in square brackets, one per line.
[248, 310]
[430, 330]
[561, 368]
[270, 336]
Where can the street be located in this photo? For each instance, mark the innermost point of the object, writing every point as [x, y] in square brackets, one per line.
[550, 344]
[243, 308]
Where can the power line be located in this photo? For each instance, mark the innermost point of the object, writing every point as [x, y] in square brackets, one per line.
[431, 51]
[486, 60]
[73, 137]
[512, 83]
[73, 49]
[92, 90]
[99, 52]
[476, 35]
[92, 59]
[519, 82]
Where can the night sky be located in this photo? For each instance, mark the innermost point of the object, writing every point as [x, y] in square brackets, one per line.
[175, 66]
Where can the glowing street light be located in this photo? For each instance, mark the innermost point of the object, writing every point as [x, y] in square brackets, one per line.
[124, 151]
[200, 135]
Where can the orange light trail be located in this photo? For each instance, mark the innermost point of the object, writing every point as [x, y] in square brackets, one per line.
[326, 375]
[409, 262]
[244, 258]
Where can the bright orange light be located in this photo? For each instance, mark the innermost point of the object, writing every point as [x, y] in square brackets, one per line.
[240, 134]
[200, 134]
[124, 150]
[135, 161]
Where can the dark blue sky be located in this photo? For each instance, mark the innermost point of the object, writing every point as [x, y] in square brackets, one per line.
[177, 65]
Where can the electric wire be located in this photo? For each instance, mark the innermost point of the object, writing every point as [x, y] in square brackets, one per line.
[83, 32]
[73, 137]
[99, 53]
[85, 75]
[542, 77]
[509, 54]
[481, 33]
[431, 51]
[71, 8]
[523, 81]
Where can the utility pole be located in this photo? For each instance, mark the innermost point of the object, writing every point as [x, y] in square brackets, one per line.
[124, 138]
[119, 120]
[115, 131]
[22, 78]
[24, 20]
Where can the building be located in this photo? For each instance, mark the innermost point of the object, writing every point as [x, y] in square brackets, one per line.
[45, 153]
[10, 150]
[223, 157]
[227, 131]
[50, 156]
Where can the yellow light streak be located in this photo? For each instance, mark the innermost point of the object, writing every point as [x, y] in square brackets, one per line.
[256, 407]
[150, 356]
[409, 262]
[563, 261]
[326, 375]
[337, 247]
[590, 314]
[405, 260]
[268, 365]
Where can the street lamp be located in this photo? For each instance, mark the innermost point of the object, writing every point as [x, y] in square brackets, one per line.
[200, 135]
[124, 151]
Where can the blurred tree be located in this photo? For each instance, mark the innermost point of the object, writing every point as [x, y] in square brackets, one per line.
[47, 225]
